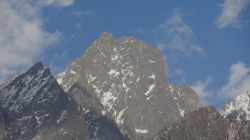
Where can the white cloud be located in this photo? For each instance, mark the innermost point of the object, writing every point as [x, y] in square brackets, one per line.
[201, 88]
[23, 37]
[58, 3]
[177, 42]
[177, 76]
[231, 10]
[180, 36]
[238, 81]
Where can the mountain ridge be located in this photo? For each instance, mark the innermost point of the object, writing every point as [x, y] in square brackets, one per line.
[117, 90]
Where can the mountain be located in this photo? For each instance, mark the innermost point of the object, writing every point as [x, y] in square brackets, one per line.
[117, 90]
[126, 81]
[239, 108]
[205, 123]
[33, 106]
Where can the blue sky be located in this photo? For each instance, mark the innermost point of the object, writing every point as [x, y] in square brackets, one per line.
[205, 44]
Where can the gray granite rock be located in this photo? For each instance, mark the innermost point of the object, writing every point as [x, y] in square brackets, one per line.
[128, 78]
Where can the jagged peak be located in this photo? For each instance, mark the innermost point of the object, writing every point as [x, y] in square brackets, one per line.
[36, 67]
[123, 39]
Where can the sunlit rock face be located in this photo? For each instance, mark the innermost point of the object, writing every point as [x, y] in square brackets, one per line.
[126, 81]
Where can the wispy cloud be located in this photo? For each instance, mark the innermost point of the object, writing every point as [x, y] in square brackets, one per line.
[58, 3]
[238, 83]
[177, 42]
[231, 11]
[62, 56]
[23, 37]
[201, 88]
[179, 75]
[179, 36]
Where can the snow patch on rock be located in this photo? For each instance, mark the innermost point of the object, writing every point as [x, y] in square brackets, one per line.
[141, 131]
[150, 88]
[119, 120]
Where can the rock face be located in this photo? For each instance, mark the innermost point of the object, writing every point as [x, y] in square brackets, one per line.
[201, 124]
[239, 108]
[35, 107]
[126, 81]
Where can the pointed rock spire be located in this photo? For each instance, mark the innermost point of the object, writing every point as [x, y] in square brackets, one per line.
[36, 67]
